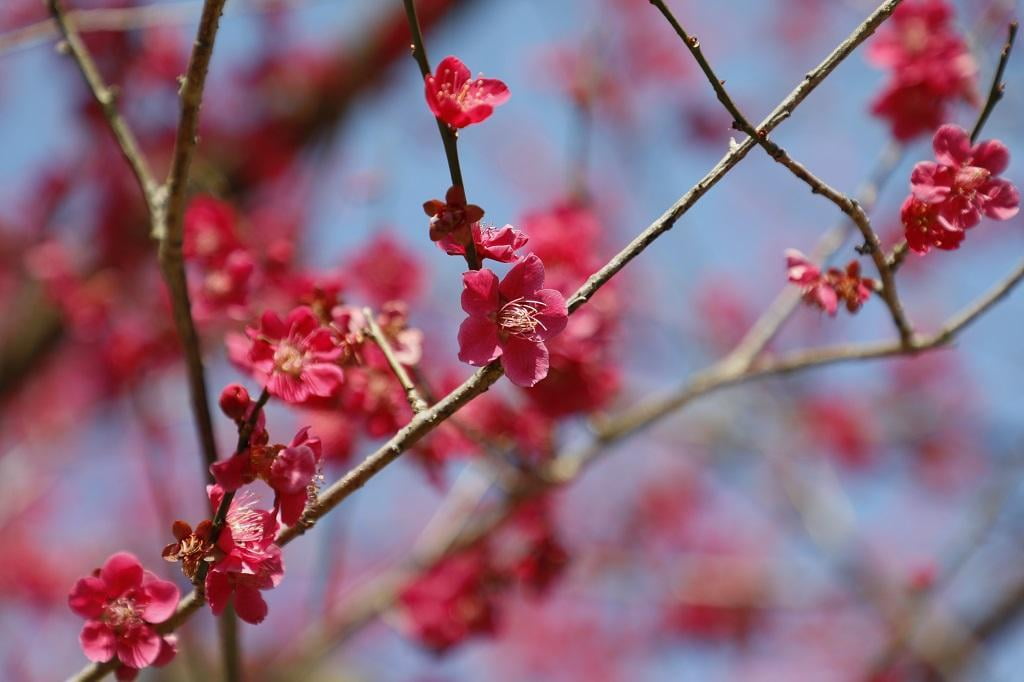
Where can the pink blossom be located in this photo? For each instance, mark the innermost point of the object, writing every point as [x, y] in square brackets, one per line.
[453, 217]
[225, 288]
[457, 99]
[121, 602]
[930, 64]
[963, 180]
[826, 290]
[251, 561]
[210, 234]
[497, 243]
[295, 358]
[450, 602]
[385, 270]
[925, 227]
[289, 471]
[511, 320]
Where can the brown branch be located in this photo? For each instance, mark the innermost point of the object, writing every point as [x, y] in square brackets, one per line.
[998, 88]
[449, 138]
[159, 200]
[373, 330]
[170, 227]
[424, 422]
[106, 97]
[818, 186]
[784, 110]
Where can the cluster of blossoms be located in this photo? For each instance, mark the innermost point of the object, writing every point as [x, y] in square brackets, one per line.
[826, 289]
[951, 194]
[930, 68]
[458, 597]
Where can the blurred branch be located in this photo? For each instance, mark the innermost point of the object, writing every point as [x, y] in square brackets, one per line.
[373, 329]
[449, 137]
[126, 19]
[818, 186]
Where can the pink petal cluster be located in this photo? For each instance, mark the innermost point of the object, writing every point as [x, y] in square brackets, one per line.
[289, 471]
[511, 320]
[452, 218]
[121, 603]
[930, 65]
[497, 243]
[826, 289]
[953, 193]
[251, 562]
[450, 602]
[295, 358]
[459, 100]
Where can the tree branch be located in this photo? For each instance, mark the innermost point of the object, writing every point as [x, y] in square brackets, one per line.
[373, 330]
[818, 186]
[106, 97]
[449, 138]
[784, 110]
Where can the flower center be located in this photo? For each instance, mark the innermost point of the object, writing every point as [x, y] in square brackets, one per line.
[122, 614]
[245, 522]
[970, 178]
[518, 317]
[289, 359]
[468, 95]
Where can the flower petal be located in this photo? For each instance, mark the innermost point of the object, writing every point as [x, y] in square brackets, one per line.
[478, 341]
[98, 641]
[88, 596]
[553, 314]
[163, 599]
[952, 145]
[523, 279]
[121, 572]
[479, 292]
[138, 647]
[992, 155]
[525, 361]
[249, 605]
[1003, 199]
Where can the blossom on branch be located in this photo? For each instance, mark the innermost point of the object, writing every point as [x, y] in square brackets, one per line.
[952, 193]
[826, 289]
[294, 358]
[511, 320]
[121, 603]
[249, 560]
[497, 243]
[459, 100]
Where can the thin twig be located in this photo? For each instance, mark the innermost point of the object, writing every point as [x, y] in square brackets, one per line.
[170, 230]
[998, 88]
[784, 110]
[449, 138]
[373, 330]
[106, 97]
[818, 186]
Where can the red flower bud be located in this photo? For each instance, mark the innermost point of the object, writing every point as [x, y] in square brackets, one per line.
[234, 401]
